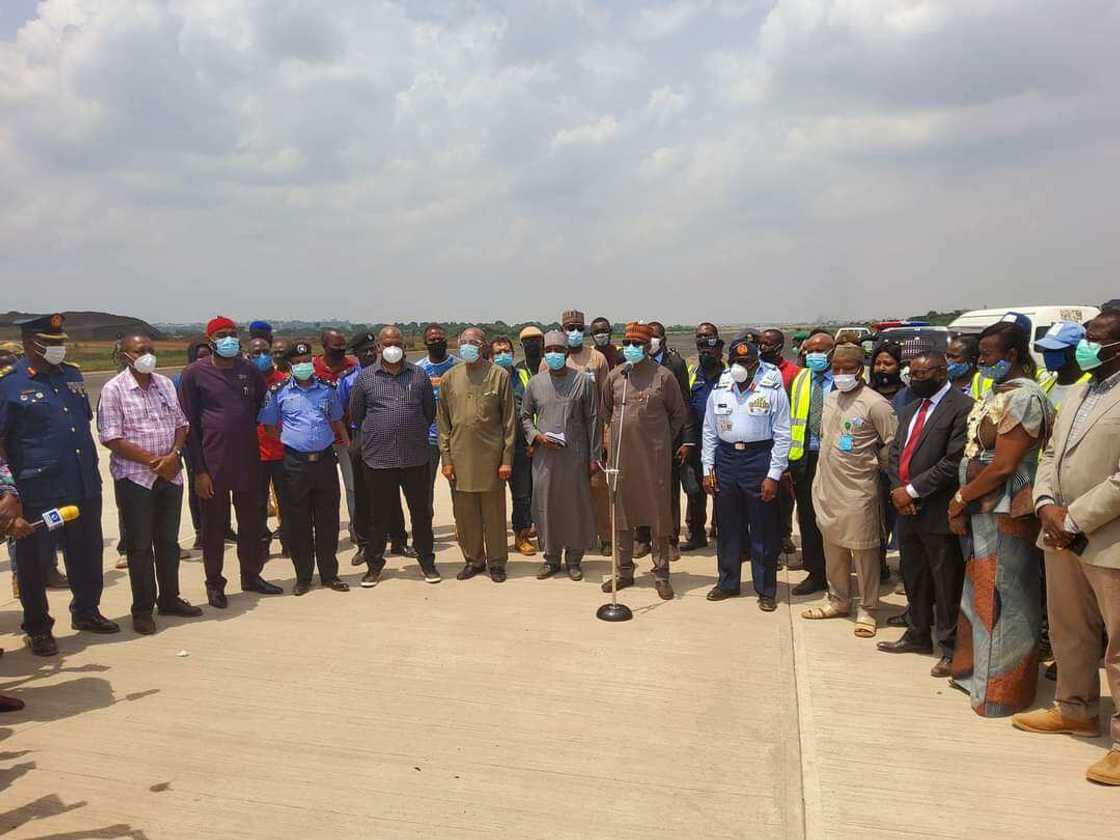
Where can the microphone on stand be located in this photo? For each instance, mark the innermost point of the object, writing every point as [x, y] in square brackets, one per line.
[55, 518]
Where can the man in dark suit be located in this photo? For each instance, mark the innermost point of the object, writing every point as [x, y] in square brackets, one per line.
[923, 471]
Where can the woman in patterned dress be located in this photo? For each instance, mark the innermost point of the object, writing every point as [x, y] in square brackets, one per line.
[996, 660]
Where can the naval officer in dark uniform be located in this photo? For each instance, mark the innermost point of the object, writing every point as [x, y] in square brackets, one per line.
[746, 439]
[45, 437]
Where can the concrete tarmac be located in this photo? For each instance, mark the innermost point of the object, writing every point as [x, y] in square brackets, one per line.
[478, 710]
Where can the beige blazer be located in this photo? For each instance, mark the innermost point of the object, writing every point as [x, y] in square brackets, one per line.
[1083, 473]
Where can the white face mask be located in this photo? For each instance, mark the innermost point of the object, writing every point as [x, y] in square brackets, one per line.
[654, 346]
[145, 363]
[392, 354]
[55, 354]
[739, 373]
[601, 339]
[845, 381]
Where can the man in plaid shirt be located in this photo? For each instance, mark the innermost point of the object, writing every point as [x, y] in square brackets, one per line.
[140, 421]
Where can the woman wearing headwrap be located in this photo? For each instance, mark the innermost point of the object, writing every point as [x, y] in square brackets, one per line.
[857, 428]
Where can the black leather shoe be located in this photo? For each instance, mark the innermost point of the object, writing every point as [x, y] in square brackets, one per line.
[262, 586]
[468, 571]
[337, 585]
[575, 572]
[664, 590]
[898, 621]
[943, 668]
[547, 571]
[10, 704]
[906, 644]
[180, 607]
[810, 585]
[301, 588]
[42, 644]
[359, 558]
[498, 574]
[767, 604]
[402, 549]
[623, 582]
[95, 622]
[56, 579]
[787, 546]
[144, 624]
[694, 543]
[216, 598]
[717, 594]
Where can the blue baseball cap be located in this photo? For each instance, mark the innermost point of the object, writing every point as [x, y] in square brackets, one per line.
[1062, 334]
[1020, 320]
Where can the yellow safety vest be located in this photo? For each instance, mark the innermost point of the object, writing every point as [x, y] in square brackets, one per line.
[800, 392]
[691, 377]
[1047, 380]
[980, 385]
[524, 375]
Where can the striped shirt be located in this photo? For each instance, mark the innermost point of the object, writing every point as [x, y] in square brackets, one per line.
[394, 412]
[145, 417]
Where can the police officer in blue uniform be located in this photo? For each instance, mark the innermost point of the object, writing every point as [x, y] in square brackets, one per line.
[746, 440]
[45, 436]
[309, 414]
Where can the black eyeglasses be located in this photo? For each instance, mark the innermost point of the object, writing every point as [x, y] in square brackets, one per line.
[632, 342]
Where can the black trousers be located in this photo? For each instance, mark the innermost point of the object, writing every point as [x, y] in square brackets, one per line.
[521, 489]
[804, 470]
[385, 486]
[273, 474]
[360, 521]
[696, 512]
[81, 551]
[152, 517]
[933, 573]
[313, 513]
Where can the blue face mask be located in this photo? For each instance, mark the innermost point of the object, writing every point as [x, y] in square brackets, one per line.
[263, 362]
[555, 361]
[817, 362]
[575, 338]
[959, 370]
[633, 353]
[1054, 360]
[997, 372]
[469, 353]
[227, 347]
[504, 359]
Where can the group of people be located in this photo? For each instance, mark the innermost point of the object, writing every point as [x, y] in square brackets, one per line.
[1000, 484]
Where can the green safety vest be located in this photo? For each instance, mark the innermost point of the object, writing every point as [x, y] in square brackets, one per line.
[800, 392]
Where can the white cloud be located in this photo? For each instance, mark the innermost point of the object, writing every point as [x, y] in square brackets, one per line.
[450, 159]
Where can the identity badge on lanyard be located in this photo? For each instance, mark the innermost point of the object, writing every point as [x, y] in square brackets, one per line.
[845, 442]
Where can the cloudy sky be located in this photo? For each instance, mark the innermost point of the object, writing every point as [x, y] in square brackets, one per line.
[738, 160]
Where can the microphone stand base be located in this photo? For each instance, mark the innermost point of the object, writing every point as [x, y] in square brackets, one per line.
[614, 612]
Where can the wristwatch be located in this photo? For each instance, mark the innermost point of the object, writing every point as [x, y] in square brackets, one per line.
[959, 499]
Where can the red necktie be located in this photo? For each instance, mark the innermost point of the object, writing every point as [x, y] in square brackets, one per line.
[912, 442]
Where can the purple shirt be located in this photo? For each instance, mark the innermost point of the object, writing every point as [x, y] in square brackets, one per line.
[222, 406]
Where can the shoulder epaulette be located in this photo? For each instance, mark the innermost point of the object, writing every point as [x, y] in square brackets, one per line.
[5, 371]
[771, 379]
[725, 380]
[71, 364]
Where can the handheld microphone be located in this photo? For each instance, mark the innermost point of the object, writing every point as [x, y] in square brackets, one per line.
[626, 368]
[55, 518]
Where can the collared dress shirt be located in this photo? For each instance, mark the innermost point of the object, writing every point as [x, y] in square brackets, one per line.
[145, 417]
[304, 414]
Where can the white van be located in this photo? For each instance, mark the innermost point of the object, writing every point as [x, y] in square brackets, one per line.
[1042, 317]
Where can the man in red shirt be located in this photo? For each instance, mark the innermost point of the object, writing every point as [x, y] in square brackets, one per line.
[331, 366]
[771, 344]
[271, 449]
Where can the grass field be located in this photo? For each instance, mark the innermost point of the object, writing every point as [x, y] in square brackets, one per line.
[98, 355]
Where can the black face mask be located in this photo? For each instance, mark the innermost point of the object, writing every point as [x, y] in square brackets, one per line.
[437, 349]
[923, 389]
[533, 350]
[335, 354]
[709, 362]
[880, 379]
[772, 357]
